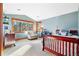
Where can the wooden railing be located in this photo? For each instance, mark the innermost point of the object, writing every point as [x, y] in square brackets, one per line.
[61, 46]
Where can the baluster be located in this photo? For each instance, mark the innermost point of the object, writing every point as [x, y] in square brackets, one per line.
[69, 49]
[63, 47]
[51, 43]
[48, 44]
[55, 45]
[72, 49]
[77, 50]
[60, 47]
[66, 48]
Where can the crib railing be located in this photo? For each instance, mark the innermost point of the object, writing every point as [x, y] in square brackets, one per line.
[61, 46]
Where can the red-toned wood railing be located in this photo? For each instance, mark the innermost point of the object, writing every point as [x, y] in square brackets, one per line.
[61, 46]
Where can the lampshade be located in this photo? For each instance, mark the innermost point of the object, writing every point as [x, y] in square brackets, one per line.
[42, 26]
[26, 32]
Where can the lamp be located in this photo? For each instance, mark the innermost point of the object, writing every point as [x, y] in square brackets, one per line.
[42, 26]
[26, 32]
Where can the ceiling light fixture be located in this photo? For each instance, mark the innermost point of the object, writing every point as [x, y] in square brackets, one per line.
[19, 9]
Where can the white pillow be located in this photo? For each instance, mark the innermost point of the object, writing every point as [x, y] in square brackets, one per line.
[63, 33]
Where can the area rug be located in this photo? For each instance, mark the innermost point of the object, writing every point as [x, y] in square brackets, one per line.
[20, 51]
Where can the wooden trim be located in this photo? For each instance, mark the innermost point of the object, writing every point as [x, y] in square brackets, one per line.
[23, 20]
[12, 24]
[63, 38]
[36, 26]
[1, 29]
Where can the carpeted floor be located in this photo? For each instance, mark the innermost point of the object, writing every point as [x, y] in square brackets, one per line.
[35, 50]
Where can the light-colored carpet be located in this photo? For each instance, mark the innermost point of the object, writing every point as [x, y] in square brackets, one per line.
[20, 51]
[35, 50]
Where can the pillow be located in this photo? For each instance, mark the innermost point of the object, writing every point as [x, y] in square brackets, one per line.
[63, 33]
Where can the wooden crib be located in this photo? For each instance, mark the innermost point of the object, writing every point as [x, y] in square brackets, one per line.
[61, 45]
[9, 40]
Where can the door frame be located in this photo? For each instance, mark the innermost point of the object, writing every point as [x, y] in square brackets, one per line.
[1, 29]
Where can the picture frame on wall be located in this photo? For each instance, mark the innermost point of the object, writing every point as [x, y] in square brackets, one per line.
[23, 26]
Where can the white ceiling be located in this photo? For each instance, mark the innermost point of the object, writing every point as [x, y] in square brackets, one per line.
[40, 11]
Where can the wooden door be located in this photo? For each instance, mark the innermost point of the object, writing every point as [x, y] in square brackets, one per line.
[1, 29]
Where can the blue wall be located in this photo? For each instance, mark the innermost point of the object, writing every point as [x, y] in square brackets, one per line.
[21, 35]
[67, 21]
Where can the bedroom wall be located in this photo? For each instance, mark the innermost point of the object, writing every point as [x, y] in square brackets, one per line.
[23, 17]
[66, 21]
